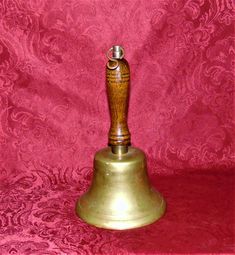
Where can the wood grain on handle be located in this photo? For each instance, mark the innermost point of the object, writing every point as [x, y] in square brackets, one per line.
[118, 95]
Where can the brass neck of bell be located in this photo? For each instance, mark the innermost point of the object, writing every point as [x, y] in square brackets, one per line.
[119, 149]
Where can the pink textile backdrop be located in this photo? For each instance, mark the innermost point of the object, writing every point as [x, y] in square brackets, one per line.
[54, 117]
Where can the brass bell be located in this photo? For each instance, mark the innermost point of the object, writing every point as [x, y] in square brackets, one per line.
[120, 196]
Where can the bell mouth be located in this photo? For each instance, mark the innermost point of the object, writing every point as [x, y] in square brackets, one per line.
[114, 222]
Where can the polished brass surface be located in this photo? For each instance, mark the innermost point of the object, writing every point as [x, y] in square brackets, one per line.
[120, 196]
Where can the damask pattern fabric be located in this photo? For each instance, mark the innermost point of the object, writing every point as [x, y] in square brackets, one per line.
[54, 117]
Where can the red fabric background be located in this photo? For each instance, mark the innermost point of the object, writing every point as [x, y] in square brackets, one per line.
[54, 116]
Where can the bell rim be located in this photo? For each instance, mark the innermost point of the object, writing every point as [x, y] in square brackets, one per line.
[120, 224]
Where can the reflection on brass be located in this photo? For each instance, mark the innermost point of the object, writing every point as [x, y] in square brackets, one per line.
[120, 195]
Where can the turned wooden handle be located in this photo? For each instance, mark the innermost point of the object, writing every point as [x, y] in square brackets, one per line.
[117, 80]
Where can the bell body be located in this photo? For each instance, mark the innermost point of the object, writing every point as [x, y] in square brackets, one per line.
[120, 196]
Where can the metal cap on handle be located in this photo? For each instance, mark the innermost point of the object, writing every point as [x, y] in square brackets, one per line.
[118, 52]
